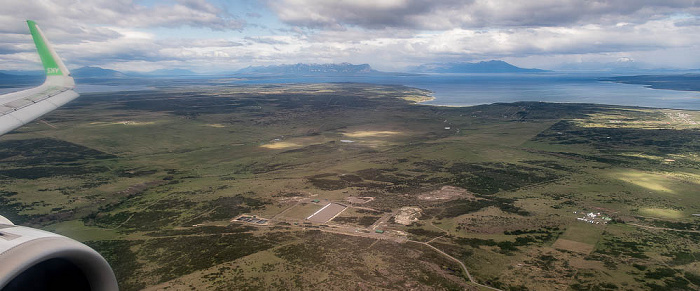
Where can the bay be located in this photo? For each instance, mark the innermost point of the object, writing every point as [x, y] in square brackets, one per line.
[476, 89]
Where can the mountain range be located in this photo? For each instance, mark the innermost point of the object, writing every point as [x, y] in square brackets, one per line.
[309, 69]
[164, 73]
[96, 72]
[300, 69]
[485, 67]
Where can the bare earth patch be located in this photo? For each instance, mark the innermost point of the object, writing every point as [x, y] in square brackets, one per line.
[216, 125]
[408, 215]
[294, 142]
[279, 145]
[447, 193]
[371, 133]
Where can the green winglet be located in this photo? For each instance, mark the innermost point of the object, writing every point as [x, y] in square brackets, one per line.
[47, 59]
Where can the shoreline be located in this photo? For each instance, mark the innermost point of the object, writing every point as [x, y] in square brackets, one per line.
[423, 96]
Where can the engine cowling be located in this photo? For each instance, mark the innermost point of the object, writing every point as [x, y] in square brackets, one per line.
[32, 259]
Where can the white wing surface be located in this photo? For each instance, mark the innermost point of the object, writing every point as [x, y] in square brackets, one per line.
[20, 108]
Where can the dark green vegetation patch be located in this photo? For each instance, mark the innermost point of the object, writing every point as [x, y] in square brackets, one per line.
[611, 140]
[11, 208]
[123, 261]
[47, 157]
[45, 151]
[462, 206]
[182, 255]
[489, 178]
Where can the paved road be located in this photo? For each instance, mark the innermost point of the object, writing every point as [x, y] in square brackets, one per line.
[382, 220]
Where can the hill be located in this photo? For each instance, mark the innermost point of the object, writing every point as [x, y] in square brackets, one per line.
[309, 69]
[493, 66]
[96, 72]
[164, 73]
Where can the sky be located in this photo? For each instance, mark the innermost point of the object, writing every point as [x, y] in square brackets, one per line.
[391, 35]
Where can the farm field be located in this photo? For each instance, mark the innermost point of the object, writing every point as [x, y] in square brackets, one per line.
[153, 179]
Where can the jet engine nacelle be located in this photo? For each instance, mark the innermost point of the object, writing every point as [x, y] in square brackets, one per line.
[32, 259]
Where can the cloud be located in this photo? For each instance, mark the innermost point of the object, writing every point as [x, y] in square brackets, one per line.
[449, 14]
[390, 35]
[265, 40]
[390, 49]
[70, 15]
[94, 32]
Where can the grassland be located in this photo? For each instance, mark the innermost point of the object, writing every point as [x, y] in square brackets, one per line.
[152, 179]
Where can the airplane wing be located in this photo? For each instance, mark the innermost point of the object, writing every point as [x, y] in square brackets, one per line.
[32, 259]
[20, 108]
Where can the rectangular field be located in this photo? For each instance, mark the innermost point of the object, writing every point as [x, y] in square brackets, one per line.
[583, 232]
[579, 237]
[302, 211]
[328, 212]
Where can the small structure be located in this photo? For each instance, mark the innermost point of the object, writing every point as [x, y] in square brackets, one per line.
[251, 219]
[315, 201]
[379, 231]
[593, 218]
